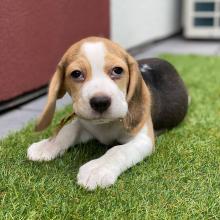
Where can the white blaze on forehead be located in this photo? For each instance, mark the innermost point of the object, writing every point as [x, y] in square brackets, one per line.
[95, 53]
[100, 83]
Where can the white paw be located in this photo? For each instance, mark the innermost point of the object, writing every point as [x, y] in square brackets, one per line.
[96, 173]
[43, 150]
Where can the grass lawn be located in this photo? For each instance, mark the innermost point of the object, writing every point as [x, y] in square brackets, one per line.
[181, 180]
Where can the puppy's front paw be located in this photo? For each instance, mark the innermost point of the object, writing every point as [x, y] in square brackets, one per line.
[43, 150]
[95, 173]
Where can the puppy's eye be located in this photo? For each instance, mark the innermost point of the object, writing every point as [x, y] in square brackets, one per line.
[77, 75]
[116, 72]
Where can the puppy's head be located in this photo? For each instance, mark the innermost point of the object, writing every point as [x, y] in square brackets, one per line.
[100, 76]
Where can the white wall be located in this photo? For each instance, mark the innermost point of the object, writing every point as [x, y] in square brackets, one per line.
[137, 21]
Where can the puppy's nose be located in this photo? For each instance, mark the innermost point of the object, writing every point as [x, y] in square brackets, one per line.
[100, 103]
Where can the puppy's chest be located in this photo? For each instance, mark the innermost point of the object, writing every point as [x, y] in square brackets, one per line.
[106, 133]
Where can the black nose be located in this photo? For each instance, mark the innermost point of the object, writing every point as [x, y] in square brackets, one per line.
[100, 103]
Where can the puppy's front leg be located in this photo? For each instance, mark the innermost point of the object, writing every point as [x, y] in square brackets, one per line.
[49, 149]
[105, 170]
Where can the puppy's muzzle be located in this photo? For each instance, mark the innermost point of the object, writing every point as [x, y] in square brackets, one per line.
[100, 103]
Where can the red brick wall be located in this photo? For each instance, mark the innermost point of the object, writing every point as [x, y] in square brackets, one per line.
[35, 34]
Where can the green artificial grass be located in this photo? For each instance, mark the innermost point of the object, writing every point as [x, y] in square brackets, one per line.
[181, 180]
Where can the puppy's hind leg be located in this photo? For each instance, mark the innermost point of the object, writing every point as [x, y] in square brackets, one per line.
[51, 148]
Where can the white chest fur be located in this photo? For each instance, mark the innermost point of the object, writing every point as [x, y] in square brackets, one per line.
[106, 133]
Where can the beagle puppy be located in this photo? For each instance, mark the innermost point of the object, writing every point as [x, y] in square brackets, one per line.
[115, 99]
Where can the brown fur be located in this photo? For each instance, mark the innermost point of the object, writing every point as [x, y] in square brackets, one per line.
[56, 90]
[111, 60]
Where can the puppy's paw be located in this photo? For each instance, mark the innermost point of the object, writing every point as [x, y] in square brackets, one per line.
[44, 150]
[95, 173]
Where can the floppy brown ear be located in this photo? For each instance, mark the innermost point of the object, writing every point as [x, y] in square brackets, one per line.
[56, 90]
[135, 80]
[136, 97]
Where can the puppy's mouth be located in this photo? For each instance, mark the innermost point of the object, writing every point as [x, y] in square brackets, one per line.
[98, 120]
[101, 121]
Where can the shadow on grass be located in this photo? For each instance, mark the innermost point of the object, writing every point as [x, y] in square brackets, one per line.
[85, 152]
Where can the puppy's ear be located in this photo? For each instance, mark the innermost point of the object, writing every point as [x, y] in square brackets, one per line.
[135, 80]
[56, 90]
[136, 97]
